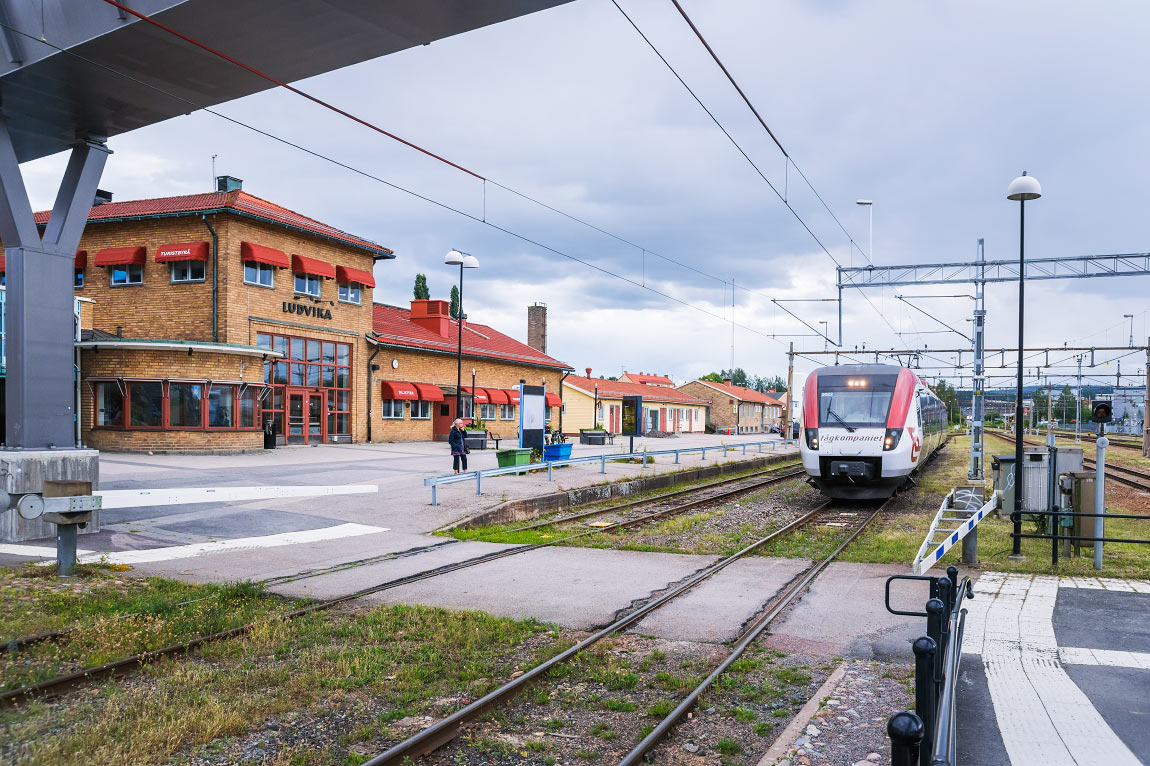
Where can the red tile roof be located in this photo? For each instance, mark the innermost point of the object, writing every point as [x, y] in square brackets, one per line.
[739, 392]
[238, 202]
[394, 327]
[613, 389]
[656, 380]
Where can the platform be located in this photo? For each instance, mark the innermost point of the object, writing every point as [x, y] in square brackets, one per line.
[1056, 672]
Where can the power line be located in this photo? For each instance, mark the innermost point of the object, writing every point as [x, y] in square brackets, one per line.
[326, 158]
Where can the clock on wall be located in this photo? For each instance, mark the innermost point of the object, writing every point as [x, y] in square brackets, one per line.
[395, 364]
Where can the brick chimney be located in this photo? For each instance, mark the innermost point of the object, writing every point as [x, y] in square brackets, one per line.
[432, 315]
[726, 381]
[588, 372]
[537, 327]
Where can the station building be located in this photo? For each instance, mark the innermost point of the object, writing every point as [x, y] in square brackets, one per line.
[414, 358]
[589, 401]
[744, 410]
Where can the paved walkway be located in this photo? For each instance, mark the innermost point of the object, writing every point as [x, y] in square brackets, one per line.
[1063, 665]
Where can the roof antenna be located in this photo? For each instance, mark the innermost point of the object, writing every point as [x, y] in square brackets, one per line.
[213, 171]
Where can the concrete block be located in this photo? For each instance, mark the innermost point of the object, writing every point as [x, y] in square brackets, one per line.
[24, 471]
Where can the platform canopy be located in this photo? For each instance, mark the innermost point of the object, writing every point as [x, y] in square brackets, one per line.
[101, 83]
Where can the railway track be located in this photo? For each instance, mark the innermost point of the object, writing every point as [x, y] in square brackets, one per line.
[1131, 477]
[447, 729]
[60, 684]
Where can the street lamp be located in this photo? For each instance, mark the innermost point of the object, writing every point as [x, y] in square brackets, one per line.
[1131, 318]
[1021, 189]
[869, 205]
[463, 261]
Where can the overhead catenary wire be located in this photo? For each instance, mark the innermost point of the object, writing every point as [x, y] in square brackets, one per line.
[371, 176]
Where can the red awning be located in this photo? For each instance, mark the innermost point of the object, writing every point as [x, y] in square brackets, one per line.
[344, 274]
[250, 251]
[513, 396]
[182, 251]
[395, 390]
[303, 265]
[553, 400]
[497, 396]
[120, 256]
[81, 259]
[428, 392]
[480, 394]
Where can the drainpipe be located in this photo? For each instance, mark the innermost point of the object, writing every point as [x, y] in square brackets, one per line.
[565, 374]
[370, 359]
[215, 280]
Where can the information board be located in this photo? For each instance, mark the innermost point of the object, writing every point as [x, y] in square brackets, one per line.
[532, 419]
[632, 416]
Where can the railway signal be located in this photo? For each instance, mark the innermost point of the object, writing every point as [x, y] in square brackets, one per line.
[1102, 412]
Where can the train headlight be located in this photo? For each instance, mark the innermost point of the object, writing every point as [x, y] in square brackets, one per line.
[890, 441]
[812, 438]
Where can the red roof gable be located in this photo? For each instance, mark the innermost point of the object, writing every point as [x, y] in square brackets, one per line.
[238, 202]
[613, 389]
[654, 380]
[394, 327]
[739, 392]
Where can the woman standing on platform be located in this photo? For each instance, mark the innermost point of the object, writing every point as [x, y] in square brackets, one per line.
[458, 444]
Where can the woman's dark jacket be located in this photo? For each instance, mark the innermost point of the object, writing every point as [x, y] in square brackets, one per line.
[455, 440]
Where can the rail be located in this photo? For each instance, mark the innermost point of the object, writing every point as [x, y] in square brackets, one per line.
[550, 465]
[927, 737]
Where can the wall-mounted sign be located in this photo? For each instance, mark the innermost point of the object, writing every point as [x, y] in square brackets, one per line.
[632, 416]
[316, 312]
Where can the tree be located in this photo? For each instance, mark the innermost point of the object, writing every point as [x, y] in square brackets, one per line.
[454, 302]
[1064, 407]
[421, 292]
[949, 396]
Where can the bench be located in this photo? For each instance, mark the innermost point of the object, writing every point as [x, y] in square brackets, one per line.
[499, 437]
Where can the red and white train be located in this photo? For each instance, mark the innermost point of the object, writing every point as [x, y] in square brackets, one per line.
[867, 428]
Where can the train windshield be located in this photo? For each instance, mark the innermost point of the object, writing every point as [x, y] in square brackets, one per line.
[855, 401]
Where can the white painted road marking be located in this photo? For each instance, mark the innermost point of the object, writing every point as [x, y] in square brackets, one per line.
[1044, 718]
[144, 498]
[170, 553]
[1106, 583]
[1108, 657]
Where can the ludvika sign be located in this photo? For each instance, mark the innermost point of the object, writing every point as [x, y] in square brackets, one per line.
[317, 312]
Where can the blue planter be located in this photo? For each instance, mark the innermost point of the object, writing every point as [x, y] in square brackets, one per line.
[556, 451]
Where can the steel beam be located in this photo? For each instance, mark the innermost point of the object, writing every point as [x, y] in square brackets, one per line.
[1073, 267]
[39, 313]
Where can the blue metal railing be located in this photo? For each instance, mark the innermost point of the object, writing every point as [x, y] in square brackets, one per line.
[454, 478]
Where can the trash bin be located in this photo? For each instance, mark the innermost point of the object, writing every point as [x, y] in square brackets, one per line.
[510, 457]
[269, 434]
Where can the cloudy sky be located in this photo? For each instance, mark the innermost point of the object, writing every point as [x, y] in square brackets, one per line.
[929, 109]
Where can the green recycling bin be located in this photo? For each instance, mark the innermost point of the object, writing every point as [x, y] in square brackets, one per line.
[510, 457]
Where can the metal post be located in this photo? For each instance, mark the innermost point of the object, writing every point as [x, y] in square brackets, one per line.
[602, 464]
[676, 457]
[1146, 407]
[1100, 497]
[65, 548]
[978, 381]
[791, 390]
[906, 731]
[1052, 495]
[925, 696]
[479, 482]
[970, 547]
[459, 352]
[1078, 403]
[434, 499]
[550, 465]
[1016, 552]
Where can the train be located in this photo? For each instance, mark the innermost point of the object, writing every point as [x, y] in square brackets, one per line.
[867, 428]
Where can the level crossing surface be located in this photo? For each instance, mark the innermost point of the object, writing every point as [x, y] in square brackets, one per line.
[1056, 672]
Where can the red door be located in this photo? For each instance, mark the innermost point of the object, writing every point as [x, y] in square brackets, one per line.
[444, 415]
[614, 425]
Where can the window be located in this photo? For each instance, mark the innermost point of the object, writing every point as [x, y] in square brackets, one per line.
[185, 405]
[221, 407]
[421, 410]
[261, 274]
[146, 405]
[507, 412]
[187, 271]
[313, 363]
[307, 284]
[547, 414]
[488, 411]
[128, 274]
[248, 406]
[468, 407]
[392, 409]
[109, 405]
[79, 278]
[351, 292]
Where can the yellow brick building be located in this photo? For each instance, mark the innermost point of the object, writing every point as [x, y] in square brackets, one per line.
[664, 409]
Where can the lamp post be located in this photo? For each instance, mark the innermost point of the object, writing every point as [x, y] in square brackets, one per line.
[473, 410]
[1021, 189]
[869, 205]
[463, 261]
[595, 412]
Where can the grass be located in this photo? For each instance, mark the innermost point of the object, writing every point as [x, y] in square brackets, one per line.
[400, 658]
[115, 616]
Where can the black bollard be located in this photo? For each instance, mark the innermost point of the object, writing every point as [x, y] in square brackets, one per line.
[905, 730]
[925, 691]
